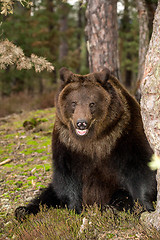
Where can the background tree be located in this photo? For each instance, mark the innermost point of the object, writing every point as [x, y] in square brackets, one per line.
[125, 27]
[63, 49]
[102, 32]
[150, 104]
[143, 35]
[151, 8]
[128, 44]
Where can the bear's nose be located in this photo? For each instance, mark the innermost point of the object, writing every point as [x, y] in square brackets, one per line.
[81, 124]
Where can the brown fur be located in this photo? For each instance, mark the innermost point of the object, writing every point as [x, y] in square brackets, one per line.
[100, 179]
[99, 146]
[103, 144]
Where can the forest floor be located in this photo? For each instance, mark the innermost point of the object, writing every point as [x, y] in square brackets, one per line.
[25, 168]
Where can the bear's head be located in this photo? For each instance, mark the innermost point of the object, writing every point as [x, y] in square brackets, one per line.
[84, 105]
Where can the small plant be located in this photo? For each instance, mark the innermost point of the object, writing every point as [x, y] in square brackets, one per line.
[34, 122]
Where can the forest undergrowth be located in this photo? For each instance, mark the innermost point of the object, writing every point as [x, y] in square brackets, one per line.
[25, 168]
[23, 101]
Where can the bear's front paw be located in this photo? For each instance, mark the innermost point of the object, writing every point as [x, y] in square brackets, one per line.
[21, 213]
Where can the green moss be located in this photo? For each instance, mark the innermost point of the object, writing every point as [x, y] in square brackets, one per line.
[30, 183]
[17, 124]
[31, 178]
[47, 167]
[40, 150]
[40, 185]
[11, 182]
[30, 160]
[44, 158]
[1, 151]
[24, 173]
[33, 123]
[6, 195]
[39, 166]
[9, 136]
[9, 165]
[38, 112]
[27, 151]
[32, 142]
[19, 183]
[21, 165]
[17, 197]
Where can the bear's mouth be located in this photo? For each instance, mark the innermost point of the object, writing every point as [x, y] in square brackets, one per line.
[81, 132]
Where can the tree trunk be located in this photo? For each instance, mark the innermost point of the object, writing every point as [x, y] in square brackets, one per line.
[151, 8]
[102, 32]
[150, 104]
[143, 36]
[125, 28]
[79, 26]
[63, 49]
[50, 6]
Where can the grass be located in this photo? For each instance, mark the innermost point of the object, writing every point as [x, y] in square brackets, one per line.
[29, 170]
[91, 224]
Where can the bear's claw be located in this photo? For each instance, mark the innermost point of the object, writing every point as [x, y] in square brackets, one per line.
[20, 213]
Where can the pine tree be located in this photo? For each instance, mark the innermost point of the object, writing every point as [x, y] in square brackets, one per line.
[102, 32]
[150, 105]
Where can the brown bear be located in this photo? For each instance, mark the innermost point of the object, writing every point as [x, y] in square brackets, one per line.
[100, 151]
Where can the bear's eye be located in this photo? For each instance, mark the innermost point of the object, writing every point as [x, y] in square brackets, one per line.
[73, 105]
[91, 105]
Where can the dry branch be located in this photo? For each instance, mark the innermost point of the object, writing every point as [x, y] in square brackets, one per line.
[10, 54]
[5, 161]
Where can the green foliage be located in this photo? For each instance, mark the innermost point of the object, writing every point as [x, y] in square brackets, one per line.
[129, 42]
[37, 31]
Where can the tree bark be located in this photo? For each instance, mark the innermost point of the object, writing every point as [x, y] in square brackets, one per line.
[150, 105]
[79, 26]
[102, 32]
[143, 36]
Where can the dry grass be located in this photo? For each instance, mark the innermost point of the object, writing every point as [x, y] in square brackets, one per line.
[18, 103]
[63, 224]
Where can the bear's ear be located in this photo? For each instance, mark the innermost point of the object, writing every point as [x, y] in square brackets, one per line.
[65, 74]
[102, 76]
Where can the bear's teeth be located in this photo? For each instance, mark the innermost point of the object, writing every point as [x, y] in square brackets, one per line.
[81, 132]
